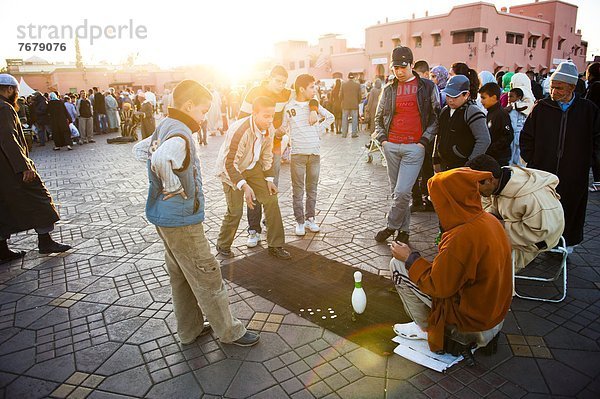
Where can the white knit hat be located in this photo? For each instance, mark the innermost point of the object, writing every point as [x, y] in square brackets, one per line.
[566, 72]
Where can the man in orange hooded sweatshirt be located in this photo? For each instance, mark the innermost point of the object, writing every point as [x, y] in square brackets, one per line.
[467, 290]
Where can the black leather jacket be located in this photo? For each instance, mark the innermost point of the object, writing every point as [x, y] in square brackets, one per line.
[429, 109]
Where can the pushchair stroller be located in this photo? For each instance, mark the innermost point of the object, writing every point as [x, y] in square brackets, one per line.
[374, 146]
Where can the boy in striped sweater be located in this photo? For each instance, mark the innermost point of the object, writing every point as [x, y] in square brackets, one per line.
[304, 130]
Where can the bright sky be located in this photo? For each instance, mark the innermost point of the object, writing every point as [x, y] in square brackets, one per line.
[229, 33]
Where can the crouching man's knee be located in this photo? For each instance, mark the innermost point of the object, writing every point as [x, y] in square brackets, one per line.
[398, 269]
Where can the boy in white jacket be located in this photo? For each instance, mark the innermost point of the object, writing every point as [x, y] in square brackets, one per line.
[305, 121]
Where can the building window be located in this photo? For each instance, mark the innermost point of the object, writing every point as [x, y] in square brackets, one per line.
[381, 43]
[545, 42]
[396, 43]
[418, 42]
[292, 65]
[437, 40]
[463, 37]
[532, 41]
[519, 39]
[484, 36]
[300, 64]
[560, 43]
[514, 38]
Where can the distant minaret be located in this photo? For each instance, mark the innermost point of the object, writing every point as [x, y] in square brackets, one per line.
[78, 60]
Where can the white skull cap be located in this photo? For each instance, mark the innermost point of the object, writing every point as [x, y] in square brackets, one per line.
[8, 80]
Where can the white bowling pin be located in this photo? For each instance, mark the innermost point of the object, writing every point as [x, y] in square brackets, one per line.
[359, 298]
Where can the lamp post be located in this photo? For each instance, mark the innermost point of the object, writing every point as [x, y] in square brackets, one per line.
[530, 52]
[573, 51]
[472, 50]
[492, 46]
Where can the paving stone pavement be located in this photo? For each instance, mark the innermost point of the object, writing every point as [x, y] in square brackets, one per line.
[97, 322]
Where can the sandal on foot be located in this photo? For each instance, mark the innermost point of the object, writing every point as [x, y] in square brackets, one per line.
[410, 331]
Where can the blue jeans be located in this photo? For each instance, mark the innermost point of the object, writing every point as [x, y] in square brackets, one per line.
[354, 114]
[515, 151]
[403, 164]
[42, 133]
[102, 123]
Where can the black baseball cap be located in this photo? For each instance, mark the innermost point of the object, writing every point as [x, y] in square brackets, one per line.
[402, 56]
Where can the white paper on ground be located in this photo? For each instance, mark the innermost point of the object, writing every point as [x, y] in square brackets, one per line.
[418, 351]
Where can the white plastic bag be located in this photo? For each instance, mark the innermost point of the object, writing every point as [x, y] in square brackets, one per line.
[74, 132]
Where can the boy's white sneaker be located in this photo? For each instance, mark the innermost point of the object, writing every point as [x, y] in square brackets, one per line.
[300, 229]
[253, 239]
[312, 226]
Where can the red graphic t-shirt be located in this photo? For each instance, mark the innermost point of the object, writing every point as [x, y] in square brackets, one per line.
[406, 123]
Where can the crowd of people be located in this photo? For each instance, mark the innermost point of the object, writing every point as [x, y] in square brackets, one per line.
[75, 118]
[526, 160]
[502, 159]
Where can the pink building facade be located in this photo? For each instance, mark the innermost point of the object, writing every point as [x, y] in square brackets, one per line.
[44, 76]
[350, 62]
[328, 57]
[535, 36]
